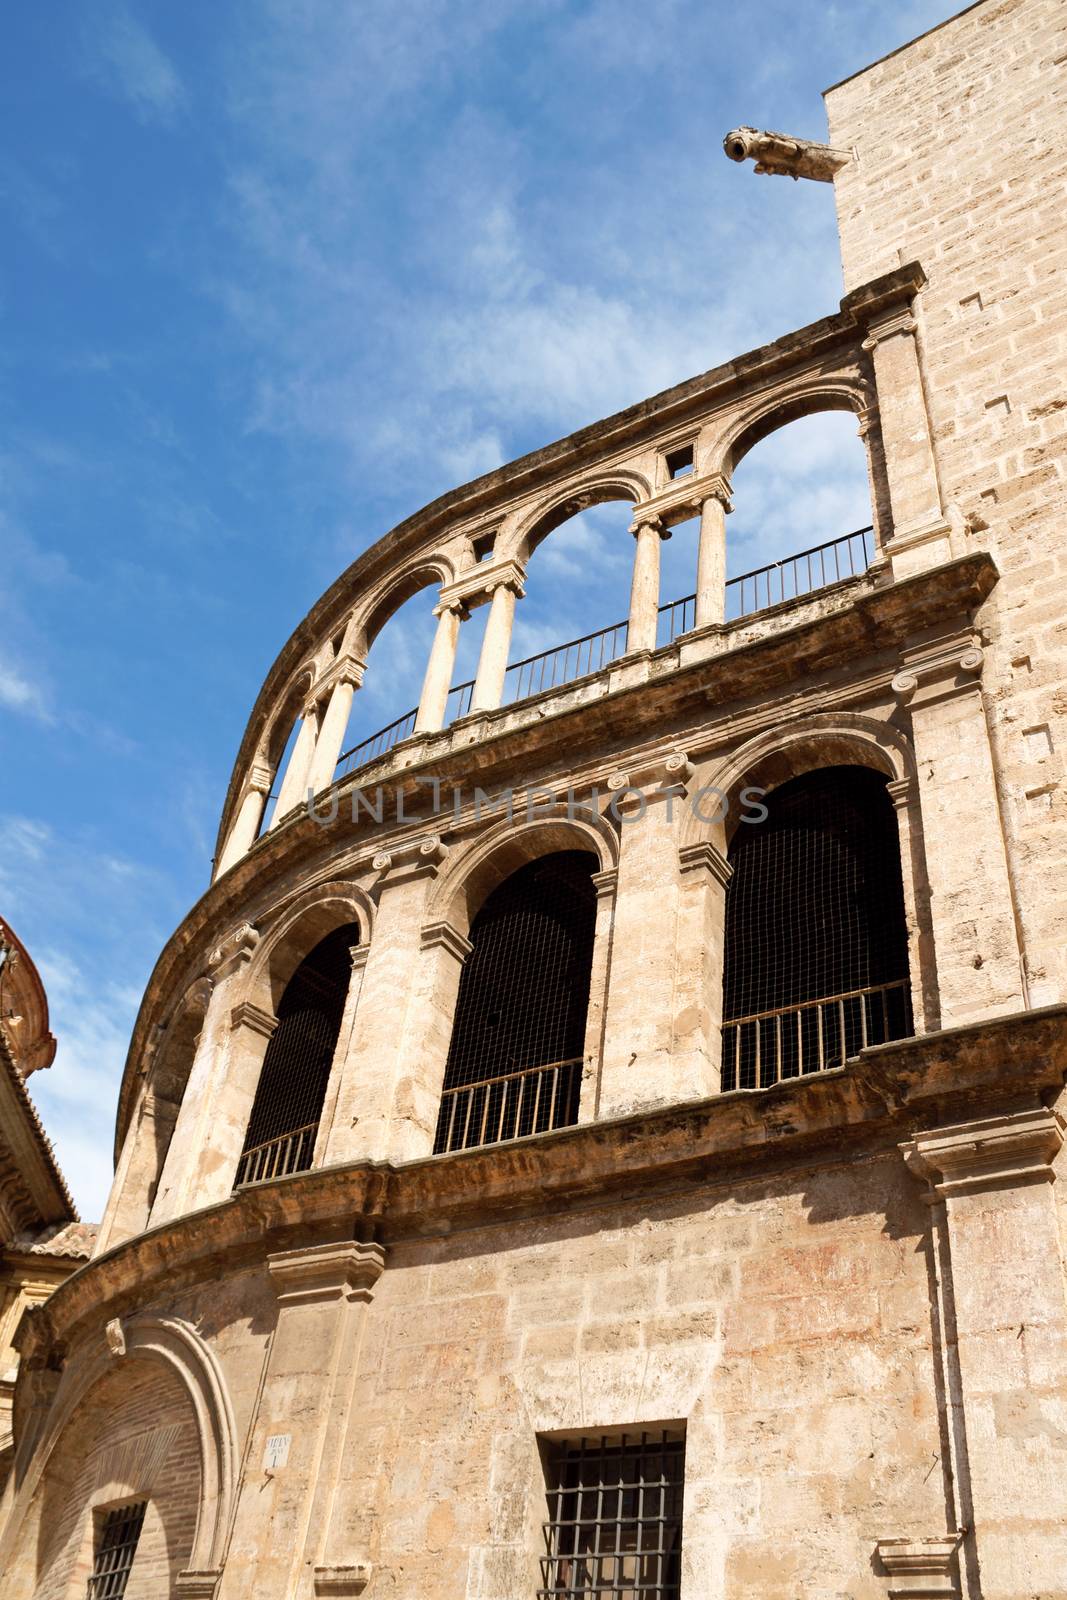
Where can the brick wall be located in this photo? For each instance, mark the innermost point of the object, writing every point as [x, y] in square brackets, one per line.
[962, 164]
[133, 1437]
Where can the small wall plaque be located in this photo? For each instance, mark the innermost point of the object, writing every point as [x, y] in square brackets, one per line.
[276, 1453]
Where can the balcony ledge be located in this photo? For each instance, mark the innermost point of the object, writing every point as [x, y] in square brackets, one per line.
[873, 1103]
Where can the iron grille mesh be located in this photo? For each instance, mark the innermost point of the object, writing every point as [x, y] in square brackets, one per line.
[292, 1082]
[523, 997]
[815, 909]
[614, 1524]
[115, 1549]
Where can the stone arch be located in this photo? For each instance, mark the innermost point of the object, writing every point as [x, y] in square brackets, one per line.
[825, 739]
[297, 929]
[728, 445]
[471, 876]
[276, 730]
[382, 602]
[522, 540]
[177, 1346]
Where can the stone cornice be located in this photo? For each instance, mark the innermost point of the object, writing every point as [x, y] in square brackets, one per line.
[961, 1074]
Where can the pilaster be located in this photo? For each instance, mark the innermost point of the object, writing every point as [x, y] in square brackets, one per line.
[1003, 1314]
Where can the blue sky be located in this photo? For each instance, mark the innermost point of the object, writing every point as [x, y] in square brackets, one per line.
[276, 274]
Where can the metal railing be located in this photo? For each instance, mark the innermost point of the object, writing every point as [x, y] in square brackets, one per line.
[769, 1047]
[751, 592]
[795, 576]
[290, 1152]
[534, 1100]
[564, 663]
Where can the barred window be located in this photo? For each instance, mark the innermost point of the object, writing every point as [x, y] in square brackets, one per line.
[614, 1529]
[281, 1132]
[116, 1545]
[515, 1060]
[816, 955]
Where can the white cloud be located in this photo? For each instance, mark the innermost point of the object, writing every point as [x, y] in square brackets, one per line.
[129, 62]
[19, 693]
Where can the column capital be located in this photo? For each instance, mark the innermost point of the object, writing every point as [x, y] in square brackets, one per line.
[899, 321]
[992, 1153]
[259, 778]
[605, 883]
[716, 486]
[453, 606]
[947, 667]
[919, 1566]
[647, 518]
[233, 952]
[415, 858]
[345, 1270]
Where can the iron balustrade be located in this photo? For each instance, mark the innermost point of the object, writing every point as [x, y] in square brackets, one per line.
[770, 1047]
[379, 744]
[746, 596]
[796, 576]
[552, 668]
[277, 1158]
[509, 1106]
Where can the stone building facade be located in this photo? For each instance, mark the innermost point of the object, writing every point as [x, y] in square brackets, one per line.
[41, 1239]
[736, 1269]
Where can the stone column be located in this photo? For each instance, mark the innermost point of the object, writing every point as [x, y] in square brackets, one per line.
[711, 553]
[433, 701]
[922, 964]
[295, 782]
[245, 830]
[281, 1547]
[390, 1079]
[639, 1070]
[151, 1130]
[345, 680]
[976, 947]
[1003, 1316]
[496, 642]
[648, 530]
[191, 1175]
[921, 533]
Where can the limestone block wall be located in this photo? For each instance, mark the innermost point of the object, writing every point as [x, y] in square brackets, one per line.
[961, 160]
[786, 1324]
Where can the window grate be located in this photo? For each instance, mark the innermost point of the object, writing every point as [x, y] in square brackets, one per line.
[816, 941]
[614, 1526]
[116, 1547]
[292, 1082]
[514, 1062]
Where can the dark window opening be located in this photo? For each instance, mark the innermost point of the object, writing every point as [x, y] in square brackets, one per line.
[484, 546]
[515, 1061]
[679, 462]
[614, 1524]
[292, 1083]
[116, 1545]
[816, 961]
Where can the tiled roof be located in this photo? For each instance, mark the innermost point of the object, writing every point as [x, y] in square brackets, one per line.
[75, 1239]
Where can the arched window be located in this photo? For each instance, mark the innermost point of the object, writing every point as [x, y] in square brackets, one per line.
[515, 1062]
[292, 1083]
[816, 962]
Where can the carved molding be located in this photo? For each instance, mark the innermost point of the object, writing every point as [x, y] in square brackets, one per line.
[605, 883]
[422, 857]
[234, 951]
[669, 773]
[949, 667]
[249, 1015]
[476, 585]
[442, 934]
[919, 1567]
[115, 1338]
[347, 1270]
[705, 857]
[646, 517]
[199, 1584]
[898, 322]
[996, 1152]
[683, 497]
